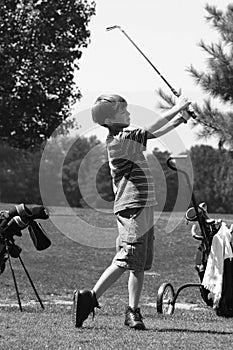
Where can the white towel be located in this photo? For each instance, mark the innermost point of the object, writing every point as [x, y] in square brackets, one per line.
[220, 250]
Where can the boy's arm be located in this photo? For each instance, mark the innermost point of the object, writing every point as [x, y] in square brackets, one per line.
[182, 103]
[164, 131]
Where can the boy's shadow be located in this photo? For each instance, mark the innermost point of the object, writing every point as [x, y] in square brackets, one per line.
[186, 330]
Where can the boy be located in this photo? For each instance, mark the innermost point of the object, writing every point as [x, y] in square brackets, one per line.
[133, 205]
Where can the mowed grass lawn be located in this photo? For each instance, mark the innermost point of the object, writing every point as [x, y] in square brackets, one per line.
[67, 265]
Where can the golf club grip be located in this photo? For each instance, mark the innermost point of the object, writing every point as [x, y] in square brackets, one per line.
[190, 111]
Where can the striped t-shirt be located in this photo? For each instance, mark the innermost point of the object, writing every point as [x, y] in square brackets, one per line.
[132, 180]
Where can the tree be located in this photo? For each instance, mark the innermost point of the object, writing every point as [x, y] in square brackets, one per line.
[19, 179]
[171, 189]
[213, 182]
[79, 171]
[104, 186]
[216, 80]
[67, 165]
[162, 177]
[40, 45]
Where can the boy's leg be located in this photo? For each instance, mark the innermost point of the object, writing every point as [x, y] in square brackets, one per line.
[109, 276]
[133, 317]
[85, 301]
[135, 285]
[137, 255]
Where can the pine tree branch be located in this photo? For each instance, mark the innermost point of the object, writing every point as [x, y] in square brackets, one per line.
[214, 123]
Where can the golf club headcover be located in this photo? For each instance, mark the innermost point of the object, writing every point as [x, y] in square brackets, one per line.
[13, 228]
[39, 212]
[19, 210]
[38, 236]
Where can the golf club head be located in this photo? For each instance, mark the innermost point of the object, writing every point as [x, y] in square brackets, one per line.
[113, 27]
[191, 214]
[203, 206]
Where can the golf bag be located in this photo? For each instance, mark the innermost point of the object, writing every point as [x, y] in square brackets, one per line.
[209, 228]
[12, 222]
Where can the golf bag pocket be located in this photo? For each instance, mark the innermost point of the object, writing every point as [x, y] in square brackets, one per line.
[225, 307]
[200, 266]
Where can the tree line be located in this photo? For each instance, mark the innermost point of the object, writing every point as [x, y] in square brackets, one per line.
[86, 180]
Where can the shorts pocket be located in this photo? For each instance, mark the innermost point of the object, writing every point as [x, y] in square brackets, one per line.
[128, 226]
[130, 213]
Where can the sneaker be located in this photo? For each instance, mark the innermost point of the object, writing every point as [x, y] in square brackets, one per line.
[84, 302]
[133, 318]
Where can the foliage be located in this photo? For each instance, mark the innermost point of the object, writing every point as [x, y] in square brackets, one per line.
[19, 171]
[165, 180]
[213, 182]
[79, 167]
[104, 186]
[81, 164]
[216, 80]
[40, 45]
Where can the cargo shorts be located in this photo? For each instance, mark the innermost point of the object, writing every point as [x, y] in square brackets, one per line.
[135, 241]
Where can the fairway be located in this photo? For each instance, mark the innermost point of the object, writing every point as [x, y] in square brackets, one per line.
[67, 265]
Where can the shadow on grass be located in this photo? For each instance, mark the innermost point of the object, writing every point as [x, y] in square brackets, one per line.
[165, 330]
[185, 330]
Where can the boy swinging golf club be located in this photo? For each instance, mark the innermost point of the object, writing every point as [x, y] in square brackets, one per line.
[133, 205]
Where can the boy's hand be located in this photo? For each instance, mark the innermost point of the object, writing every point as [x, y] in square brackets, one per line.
[185, 115]
[183, 102]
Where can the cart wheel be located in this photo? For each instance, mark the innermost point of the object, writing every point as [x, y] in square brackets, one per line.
[165, 297]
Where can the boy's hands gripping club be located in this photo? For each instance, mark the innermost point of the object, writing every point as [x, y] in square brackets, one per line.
[185, 105]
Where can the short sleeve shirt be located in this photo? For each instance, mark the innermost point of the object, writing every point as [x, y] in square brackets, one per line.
[133, 183]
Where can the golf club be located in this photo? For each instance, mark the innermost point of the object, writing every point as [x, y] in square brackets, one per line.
[176, 93]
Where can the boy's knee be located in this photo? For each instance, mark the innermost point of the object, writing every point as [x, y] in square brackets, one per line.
[137, 273]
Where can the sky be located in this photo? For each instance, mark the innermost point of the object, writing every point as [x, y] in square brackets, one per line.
[168, 32]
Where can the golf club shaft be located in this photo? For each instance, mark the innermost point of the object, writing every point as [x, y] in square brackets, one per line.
[176, 93]
[152, 65]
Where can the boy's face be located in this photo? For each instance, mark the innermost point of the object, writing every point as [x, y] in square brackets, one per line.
[121, 117]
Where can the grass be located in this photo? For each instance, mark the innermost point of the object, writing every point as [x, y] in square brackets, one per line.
[67, 265]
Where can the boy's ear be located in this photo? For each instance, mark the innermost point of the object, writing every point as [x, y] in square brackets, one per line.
[108, 121]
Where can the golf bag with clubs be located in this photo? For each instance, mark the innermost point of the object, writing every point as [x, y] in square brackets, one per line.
[12, 222]
[210, 228]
